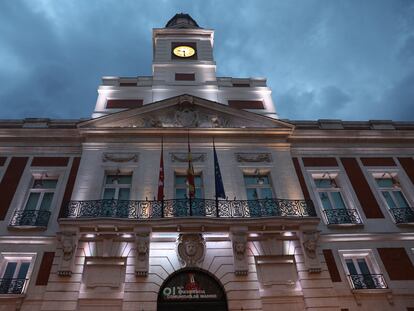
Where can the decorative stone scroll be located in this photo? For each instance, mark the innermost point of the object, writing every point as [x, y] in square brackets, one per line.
[239, 243]
[309, 242]
[191, 249]
[119, 157]
[68, 241]
[183, 157]
[142, 243]
[254, 157]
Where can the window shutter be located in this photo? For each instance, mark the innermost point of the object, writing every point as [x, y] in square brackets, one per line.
[10, 182]
[319, 162]
[69, 186]
[365, 196]
[408, 165]
[332, 268]
[246, 104]
[378, 162]
[301, 179]
[45, 267]
[397, 263]
[50, 161]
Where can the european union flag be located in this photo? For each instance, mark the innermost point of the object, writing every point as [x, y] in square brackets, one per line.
[217, 176]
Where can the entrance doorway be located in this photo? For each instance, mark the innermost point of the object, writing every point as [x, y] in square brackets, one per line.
[191, 290]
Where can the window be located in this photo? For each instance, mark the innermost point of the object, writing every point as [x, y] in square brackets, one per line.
[258, 186]
[38, 205]
[362, 270]
[390, 189]
[391, 192]
[181, 187]
[15, 270]
[117, 186]
[260, 194]
[330, 196]
[41, 193]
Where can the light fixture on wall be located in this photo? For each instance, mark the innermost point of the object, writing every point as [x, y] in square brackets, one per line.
[259, 177]
[38, 183]
[332, 180]
[395, 182]
[115, 178]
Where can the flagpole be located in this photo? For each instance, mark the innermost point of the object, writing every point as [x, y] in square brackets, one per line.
[160, 195]
[189, 172]
[215, 184]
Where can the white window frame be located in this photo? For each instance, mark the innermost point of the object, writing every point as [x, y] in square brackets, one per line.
[42, 191]
[344, 189]
[6, 257]
[405, 185]
[377, 173]
[366, 254]
[184, 173]
[259, 172]
[117, 186]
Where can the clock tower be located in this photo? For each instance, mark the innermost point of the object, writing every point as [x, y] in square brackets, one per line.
[183, 63]
[183, 55]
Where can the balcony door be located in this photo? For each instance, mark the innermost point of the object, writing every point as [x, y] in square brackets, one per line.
[14, 277]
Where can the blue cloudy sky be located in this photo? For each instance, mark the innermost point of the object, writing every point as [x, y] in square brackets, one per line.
[351, 60]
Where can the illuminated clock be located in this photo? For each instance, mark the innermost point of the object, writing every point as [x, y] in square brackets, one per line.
[184, 51]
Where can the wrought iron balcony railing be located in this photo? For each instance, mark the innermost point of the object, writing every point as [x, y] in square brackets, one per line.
[190, 208]
[33, 218]
[12, 286]
[403, 215]
[342, 216]
[368, 281]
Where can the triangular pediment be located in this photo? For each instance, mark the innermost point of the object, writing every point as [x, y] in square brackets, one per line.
[185, 111]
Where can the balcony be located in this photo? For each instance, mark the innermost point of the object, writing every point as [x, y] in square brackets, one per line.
[342, 217]
[368, 281]
[190, 208]
[12, 286]
[30, 218]
[402, 215]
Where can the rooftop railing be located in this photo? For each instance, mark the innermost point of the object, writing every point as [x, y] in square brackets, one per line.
[368, 281]
[12, 286]
[190, 208]
[342, 216]
[33, 218]
[403, 215]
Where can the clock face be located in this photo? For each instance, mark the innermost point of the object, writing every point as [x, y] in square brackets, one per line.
[184, 51]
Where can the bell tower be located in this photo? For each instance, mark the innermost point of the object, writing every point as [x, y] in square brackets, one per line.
[183, 53]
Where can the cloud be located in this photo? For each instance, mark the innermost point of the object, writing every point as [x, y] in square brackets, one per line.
[323, 59]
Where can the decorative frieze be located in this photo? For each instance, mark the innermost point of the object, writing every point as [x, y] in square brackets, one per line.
[142, 243]
[239, 244]
[254, 157]
[182, 157]
[309, 242]
[119, 157]
[68, 242]
[191, 249]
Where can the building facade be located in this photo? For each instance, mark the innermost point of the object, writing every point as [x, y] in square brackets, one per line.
[317, 215]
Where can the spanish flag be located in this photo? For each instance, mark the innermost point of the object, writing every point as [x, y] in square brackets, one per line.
[190, 173]
[160, 196]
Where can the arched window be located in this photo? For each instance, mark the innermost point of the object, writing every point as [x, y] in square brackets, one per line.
[191, 290]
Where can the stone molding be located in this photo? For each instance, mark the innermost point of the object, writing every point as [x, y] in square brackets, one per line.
[142, 247]
[239, 245]
[254, 157]
[119, 157]
[68, 242]
[182, 157]
[309, 240]
[191, 248]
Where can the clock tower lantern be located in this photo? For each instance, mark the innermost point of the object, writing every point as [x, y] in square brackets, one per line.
[183, 63]
[183, 54]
